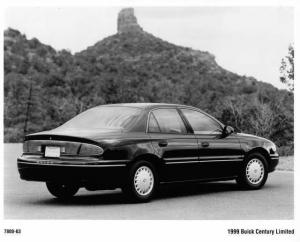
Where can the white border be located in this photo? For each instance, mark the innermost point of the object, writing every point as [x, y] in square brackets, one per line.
[195, 230]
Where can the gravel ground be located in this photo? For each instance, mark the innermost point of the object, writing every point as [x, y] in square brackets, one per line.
[286, 163]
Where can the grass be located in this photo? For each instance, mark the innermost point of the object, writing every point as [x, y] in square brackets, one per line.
[286, 163]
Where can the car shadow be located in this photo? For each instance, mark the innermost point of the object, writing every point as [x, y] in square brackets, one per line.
[195, 189]
[116, 197]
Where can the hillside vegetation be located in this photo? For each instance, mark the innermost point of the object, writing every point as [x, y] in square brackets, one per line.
[44, 87]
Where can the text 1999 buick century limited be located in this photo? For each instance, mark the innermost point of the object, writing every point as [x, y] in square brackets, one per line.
[138, 146]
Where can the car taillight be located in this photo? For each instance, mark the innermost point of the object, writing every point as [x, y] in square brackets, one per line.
[25, 147]
[90, 150]
[66, 147]
[31, 147]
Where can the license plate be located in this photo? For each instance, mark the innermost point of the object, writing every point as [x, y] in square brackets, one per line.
[52, 151]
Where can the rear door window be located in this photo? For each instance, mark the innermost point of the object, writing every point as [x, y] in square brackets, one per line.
[153, 125]
[169, 121]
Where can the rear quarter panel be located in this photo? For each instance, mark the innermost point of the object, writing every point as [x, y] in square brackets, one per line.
[128, 147]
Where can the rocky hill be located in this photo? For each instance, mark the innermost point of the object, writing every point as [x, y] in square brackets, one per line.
[44, 87]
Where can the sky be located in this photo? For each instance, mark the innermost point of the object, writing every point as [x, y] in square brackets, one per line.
[249, 41]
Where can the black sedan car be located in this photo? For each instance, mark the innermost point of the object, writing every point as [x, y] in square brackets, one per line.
[139, 146]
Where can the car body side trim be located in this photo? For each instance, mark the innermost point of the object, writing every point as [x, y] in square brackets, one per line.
[199, 161]
[70, 165]
[223, 157]
[206, 158]
[182, 158]
[200, 179]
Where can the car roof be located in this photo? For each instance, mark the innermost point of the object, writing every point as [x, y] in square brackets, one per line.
[146, 105]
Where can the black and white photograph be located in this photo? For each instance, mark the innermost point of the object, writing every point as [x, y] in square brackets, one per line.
[149, 114]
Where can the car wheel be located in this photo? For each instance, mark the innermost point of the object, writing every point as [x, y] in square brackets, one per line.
[62, 191]
[254, 172]
[141, 182]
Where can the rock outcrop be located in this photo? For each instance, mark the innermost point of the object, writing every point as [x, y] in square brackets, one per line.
[127, 22]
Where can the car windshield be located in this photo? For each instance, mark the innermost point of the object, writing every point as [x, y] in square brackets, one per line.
[104, 118]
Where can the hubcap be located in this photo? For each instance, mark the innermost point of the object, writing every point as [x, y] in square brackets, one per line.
[255, 171]
[143, 180]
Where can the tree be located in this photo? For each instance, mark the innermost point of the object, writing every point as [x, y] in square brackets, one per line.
[287, 69]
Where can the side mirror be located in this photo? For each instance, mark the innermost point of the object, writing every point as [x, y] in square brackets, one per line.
[228, 130]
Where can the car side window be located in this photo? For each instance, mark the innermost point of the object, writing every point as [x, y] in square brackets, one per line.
[201, 122]
[153, 125]
[169, 121]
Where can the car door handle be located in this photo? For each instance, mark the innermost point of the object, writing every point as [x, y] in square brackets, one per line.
[204, 144]
[163, 143]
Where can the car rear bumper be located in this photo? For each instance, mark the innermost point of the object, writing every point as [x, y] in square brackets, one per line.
[84, 172]
[274, 160]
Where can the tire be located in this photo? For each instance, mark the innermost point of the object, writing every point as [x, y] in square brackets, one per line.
[141, 182]
[254, 172]
[62, 191]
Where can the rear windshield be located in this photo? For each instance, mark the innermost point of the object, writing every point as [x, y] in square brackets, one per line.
[104, 118]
